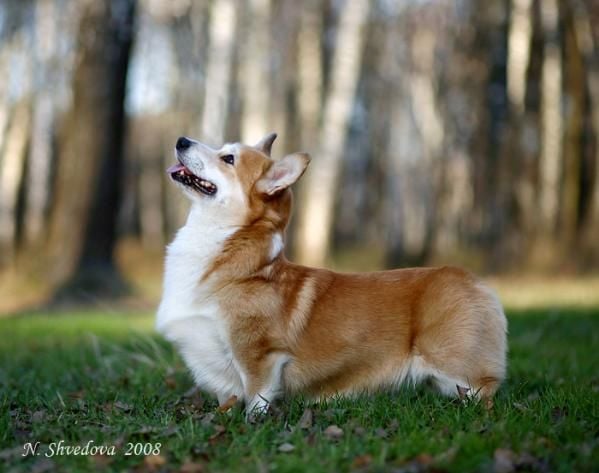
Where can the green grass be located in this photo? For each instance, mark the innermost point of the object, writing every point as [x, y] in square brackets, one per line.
[110, 379]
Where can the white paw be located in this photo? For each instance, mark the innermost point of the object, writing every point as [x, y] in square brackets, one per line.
[256, 408]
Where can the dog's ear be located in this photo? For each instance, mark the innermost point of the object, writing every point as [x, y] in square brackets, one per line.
[265, 144]
[283, 173]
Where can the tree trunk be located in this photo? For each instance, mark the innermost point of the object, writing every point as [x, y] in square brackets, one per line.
[588, 45]
[254, 75]
[320, 184]
[40, 154]
[309, 72]
[551, 128]
[520, 33]
[219, 71]
[83, 222]
[11, 178]
[575, 92]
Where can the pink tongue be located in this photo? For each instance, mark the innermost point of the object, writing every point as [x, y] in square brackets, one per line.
[175, 168]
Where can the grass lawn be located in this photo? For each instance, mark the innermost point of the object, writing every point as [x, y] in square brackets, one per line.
[108, 378]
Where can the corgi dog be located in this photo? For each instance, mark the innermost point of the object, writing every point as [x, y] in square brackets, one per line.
[251, 324]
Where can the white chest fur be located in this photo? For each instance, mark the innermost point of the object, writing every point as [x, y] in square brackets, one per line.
[189, 314]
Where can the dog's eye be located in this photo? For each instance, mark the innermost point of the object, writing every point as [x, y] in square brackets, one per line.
[228, 158]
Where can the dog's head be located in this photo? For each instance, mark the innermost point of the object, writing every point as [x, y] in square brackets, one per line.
[236, 182]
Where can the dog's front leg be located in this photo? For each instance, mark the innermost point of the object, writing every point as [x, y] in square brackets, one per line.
[264, 384]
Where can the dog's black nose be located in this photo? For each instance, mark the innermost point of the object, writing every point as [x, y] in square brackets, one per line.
[182, 144]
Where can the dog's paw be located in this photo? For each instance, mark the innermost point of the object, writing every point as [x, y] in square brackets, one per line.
[256, 409]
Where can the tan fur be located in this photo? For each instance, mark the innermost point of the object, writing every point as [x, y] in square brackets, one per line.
[347, 333]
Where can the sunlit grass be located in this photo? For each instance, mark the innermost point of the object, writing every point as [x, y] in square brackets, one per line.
[107, 377]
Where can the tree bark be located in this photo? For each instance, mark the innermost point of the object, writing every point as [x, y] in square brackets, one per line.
[219, 70]
[40, 154]
[320, 184]
[309, 72]
[11, 178]
[551, 120]
[254, 75]
[83, 222]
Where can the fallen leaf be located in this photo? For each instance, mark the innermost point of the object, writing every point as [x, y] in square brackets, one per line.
[9, 453]
[286, 448]
[170, 430]
[123, 406]
[152, 462]
[333, 432]
[393, 426]
[228, 404]
[38, 416]
[207, 419]
[419, 464]
[170, 382]
[192, 467]
[504, 461]
[362, 461]
[306, 419]
[101, 461]
[521, 407]
[359, 431]
[447, 456]
[218, 431]
[424, 459]
[41, 466]
[77, 394]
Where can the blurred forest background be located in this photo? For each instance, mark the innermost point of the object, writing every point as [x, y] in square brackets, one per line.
[447, 131]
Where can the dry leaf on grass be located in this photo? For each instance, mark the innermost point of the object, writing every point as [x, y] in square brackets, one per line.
[10, 453]
[228, 404]
[192, 467]
[207, 419]
[421, 463]
[306, 419]
[362, 461]
[218, 431]
[101, 461]
[123, 406]
[170, 382]
[38, 416]
[504, 461]
[43, 465]
[286, 448]
[333, 432]
[153, 462]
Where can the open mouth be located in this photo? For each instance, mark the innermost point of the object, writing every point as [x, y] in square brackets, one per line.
[183, 175]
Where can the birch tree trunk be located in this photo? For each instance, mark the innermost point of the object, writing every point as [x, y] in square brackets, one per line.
[520, 34]
[310, 72]
[40, 154]
[315, 218]
[219, 70]
[254, 74]
[551, 145]
[11, 178]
